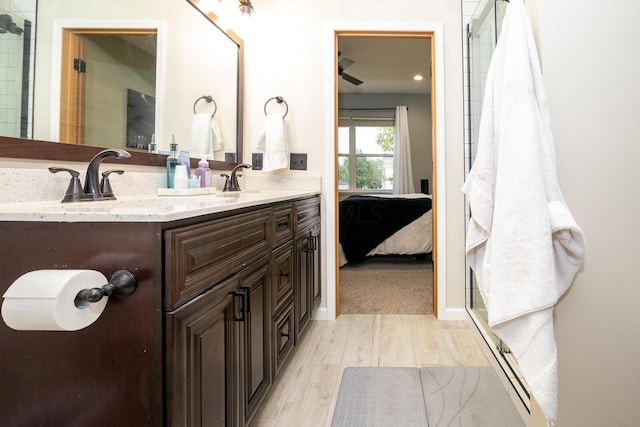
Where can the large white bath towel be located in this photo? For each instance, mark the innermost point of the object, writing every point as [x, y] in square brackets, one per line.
[205, 135]
[273, 142]
[522, 242]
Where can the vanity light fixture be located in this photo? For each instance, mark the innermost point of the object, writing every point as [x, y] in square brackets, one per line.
[417, 77]
[246, 7]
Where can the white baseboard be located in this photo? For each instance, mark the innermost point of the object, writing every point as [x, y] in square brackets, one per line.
[454, 314]
[321, 314]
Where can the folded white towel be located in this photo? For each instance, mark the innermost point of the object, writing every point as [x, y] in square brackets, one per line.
[522, 242]
[205, 135]
[273, 141]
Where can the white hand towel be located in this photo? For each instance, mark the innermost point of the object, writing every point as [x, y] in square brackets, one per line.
[205, 135]
[273, 142]
[523, 244]
[216, 136]
[201, 141]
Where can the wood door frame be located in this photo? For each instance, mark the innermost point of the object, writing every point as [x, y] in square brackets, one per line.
[73, 83]
[107, 27]
[436, 33]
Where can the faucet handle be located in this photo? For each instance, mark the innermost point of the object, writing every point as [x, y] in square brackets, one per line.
[74, 191]
[105, 185]
[226, 181]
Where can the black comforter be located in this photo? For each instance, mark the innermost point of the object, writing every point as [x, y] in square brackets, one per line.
[366, 221]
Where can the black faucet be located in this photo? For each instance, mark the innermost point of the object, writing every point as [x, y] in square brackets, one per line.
[92, 178]
[233, 179]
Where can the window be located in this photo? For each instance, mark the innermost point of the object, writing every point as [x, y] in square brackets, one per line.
[365, 154]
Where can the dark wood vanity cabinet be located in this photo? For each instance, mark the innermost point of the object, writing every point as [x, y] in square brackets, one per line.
[215, 316]
[233, 294]
[307, 254]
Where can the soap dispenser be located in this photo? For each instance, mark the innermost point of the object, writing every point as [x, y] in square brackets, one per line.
[203, 172]
[172, 161]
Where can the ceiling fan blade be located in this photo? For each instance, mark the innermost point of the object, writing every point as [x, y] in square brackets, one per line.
[351, 79]
[344, 63]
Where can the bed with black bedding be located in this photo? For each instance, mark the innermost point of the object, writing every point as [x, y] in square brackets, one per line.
[384, 225]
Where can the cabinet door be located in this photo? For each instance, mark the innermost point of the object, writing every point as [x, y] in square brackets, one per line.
[307, 285]
[202, 359]
[302, 294]
[316, 282]
[255, 282]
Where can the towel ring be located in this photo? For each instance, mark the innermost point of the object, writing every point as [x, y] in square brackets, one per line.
[209, 100]
[279, 100]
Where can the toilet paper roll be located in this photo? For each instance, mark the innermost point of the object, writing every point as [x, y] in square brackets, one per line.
[43, 300]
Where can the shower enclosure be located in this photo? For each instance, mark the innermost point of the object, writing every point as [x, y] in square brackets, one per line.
[15, 69]
[482, 32]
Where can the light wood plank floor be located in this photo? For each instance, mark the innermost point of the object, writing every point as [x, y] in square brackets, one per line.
[304, 395]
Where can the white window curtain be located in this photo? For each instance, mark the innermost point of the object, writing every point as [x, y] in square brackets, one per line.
[402, 172]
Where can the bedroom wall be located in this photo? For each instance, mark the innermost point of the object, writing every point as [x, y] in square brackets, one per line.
[419, 118]
[593, 90]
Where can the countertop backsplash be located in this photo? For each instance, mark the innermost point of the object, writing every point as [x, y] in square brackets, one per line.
[28, 184]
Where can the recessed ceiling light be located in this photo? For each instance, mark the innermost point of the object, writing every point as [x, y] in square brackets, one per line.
[417, 77]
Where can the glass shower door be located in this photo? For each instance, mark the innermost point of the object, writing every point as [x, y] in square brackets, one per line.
[15, 44]
[482, 35]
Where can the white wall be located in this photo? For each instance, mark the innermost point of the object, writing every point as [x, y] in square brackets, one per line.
[285, 55]
[591, 77]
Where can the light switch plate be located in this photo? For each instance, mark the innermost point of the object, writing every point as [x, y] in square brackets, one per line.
[298, 161]
[256, 161]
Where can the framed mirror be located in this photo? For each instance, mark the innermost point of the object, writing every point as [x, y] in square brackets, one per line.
[195, 61]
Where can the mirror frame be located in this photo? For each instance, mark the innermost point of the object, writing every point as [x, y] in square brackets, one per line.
[32, 149]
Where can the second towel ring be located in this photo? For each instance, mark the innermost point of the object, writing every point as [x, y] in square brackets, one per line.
[279, 100]
[209, 100]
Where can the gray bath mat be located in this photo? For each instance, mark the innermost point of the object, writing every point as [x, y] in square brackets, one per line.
[462, 397]
[433, 397]
[377, 397]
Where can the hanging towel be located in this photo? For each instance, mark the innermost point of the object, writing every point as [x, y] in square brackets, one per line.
[205, 134]
[273, 142]
[522, 242]
[216, 136]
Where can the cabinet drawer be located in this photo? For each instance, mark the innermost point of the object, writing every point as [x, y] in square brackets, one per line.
[199, 256]
[282, 224]
[282, 281]
[307, 212]
[282, 344]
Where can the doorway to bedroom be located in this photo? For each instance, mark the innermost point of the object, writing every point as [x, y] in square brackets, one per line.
[384, 165]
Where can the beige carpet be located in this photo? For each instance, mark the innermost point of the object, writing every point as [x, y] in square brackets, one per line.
[387, 286]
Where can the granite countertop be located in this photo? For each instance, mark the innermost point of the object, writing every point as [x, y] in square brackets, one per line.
[144, 209]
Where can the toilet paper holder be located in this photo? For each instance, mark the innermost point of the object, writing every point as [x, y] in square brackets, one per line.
[121, 284]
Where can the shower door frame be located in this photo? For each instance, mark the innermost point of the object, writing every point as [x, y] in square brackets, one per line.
[488, 16]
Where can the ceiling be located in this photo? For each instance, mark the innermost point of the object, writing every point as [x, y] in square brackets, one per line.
[386, 64]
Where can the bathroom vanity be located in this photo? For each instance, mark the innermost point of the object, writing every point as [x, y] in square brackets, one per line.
[226, 287]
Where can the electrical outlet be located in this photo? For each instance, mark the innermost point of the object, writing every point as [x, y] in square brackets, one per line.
[298, 161]
[256, 161]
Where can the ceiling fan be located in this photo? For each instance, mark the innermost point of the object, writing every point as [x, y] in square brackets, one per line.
[343, 64]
